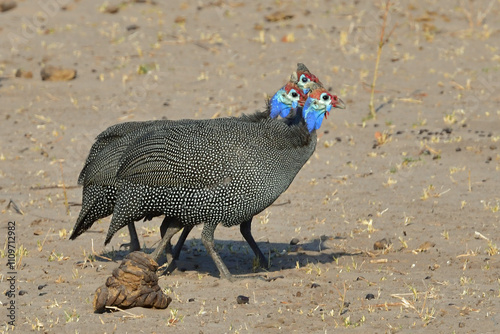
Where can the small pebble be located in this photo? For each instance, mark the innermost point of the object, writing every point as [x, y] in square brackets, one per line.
[132, 27]
[40, 287]
[294, 241]
[370, 296]
[315, 285]
[6, 5]
[191, 300]
[111, 9]
[242, 300]
[22, 292]
[52, 73]
[458, 149]
[298, 294]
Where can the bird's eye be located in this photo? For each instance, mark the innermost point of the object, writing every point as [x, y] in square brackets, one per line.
[294, 93]
[325, 97]
[304, 79]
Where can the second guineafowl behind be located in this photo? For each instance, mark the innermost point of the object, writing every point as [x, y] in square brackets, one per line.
[218, 171]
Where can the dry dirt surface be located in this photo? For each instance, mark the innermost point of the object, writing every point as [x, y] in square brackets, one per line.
[423, 175]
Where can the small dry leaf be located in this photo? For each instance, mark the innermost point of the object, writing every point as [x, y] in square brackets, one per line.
[52, 73]
[180, 20]
[278, 16]
[290, 38]
[379, 261]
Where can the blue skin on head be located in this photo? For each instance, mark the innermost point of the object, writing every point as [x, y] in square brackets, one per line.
[280, 104]
[314, 113]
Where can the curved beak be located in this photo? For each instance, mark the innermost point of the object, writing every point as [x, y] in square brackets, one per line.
[339, 103]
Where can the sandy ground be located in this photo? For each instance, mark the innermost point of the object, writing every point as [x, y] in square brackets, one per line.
[429, 185]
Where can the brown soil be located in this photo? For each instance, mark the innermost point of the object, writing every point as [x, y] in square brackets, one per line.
[429, 186]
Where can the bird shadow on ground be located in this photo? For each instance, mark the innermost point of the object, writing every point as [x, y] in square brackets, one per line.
[240, 259]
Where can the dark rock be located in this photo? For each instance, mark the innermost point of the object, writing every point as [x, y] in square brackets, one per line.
[242, 299]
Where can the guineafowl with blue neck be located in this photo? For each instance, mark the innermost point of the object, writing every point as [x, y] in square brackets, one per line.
[98, 174]
[211, 172]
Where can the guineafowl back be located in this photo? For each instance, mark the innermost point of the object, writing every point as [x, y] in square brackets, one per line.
[98, 176]
[108, 136]
[210, 171]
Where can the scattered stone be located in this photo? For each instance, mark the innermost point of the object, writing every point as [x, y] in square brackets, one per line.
[434, 267]
[493, 147]
[191, 300]
[133, 284]
[461, 324]
[294, 241]
[298, 294]
[40, 287]
[278, 16]
[22, 292]
[458, 149]
[315, 285]
[370, 296]
[111, 9]
[242, 299]
[132, 27]
[24, 74]
[52, 73]
[6, 5]
[425, 246]
[448, 130]
[381, 244]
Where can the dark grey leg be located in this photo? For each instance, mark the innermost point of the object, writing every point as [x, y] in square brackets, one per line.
[134, 244]
[246, 232]
[134, 239]
[174, 226]
[207, 237]
[181, 241]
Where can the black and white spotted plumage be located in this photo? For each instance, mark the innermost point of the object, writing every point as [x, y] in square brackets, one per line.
[98, 176]
[219, 171]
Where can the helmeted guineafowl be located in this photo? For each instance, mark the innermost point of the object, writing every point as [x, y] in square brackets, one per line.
[218, 171]
[99, 181]
[98, 174]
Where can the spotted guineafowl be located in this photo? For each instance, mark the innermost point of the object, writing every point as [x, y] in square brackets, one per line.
[218, 171]
[98, 174]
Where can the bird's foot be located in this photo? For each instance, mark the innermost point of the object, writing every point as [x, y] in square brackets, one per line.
[131, 247]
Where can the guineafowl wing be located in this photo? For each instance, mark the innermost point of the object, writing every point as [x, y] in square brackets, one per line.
[105, 138]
